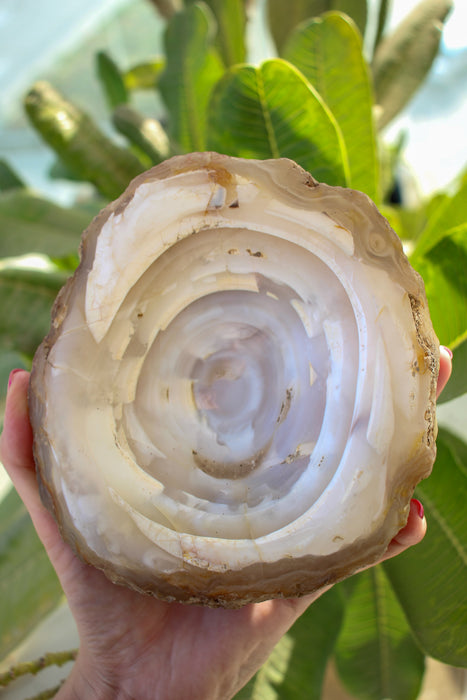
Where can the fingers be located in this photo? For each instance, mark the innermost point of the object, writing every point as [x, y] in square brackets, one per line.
[445, 368]
[411, 534]
[415, 529]
[17, 457]
[16, 439]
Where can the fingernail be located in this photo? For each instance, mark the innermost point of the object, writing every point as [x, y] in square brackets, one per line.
[419, 506]
[12, 374]
[448, 350]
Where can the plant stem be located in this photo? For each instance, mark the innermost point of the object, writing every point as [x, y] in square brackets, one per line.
[54, 658]
[167, 8]
[46, 694]
[382, 17]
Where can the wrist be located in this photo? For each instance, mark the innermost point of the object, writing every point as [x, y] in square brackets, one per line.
[85, 681]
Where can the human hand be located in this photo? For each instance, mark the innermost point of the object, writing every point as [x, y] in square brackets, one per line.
[135, 646]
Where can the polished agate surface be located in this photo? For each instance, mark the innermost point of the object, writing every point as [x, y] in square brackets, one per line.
[236, 397]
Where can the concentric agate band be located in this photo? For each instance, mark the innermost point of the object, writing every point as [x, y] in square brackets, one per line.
[237, 395]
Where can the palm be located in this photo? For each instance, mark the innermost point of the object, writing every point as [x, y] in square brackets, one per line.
[122, 630]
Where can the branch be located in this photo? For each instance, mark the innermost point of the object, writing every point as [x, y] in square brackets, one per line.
[58, 658]
[47, 694]
[167, 8]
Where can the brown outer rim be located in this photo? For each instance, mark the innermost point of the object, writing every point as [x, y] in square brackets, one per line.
[288, 578]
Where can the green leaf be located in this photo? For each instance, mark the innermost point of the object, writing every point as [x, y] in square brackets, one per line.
[457, 384]
[143, 132]
[192, 70]
[111, 79]
[144, 76]
[297, 664]
[284, 17]
[429, 579]
[407, 223]
[355, 9]
[29, 588]
[273, 112]
[443, 269]
[444, 214]
[28, 206]
[30, 224]
[231, 23]
[376, 655]
[432, 209]
[414, 43]
[83, 148]
[9, 179]
[59, 171]
[383, 10]
[319, 49]
[27, 297]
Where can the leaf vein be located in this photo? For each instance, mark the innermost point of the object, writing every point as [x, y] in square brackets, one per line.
[451, 536]
[267, 117]
[383, 642]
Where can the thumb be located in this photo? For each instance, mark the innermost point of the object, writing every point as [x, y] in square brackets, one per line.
[16, 440]
[17, 456]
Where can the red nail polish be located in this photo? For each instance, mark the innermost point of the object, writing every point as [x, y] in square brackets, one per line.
[12, 374]
[448, 350]
[419, 506]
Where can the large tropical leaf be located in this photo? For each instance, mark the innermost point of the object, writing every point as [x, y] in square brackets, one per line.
[328, 51]
[430, 579]
[29, 588]
[404, 58]
[145, 133]
[376, 655]
[440, 255]
[444, 270]
[457, 384]
[9, 178]
[231, 22]
[272, 112]
[297, 664]
[356, 9]
[407, 223]
[193, 67]
[112, 80]
[79, 143]
[145, 75]
[31, 224]
[444, 214]
[26, 297]
[283, 17]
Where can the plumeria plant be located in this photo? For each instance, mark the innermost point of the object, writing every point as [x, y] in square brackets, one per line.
[323, 100]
